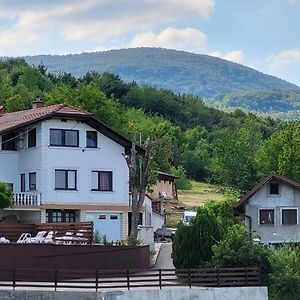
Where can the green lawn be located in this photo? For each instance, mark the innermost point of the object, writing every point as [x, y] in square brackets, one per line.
[200, 193]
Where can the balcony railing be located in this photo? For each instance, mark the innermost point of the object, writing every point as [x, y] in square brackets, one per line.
[27, 198]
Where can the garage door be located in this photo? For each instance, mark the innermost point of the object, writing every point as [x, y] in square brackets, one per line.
[108, 224]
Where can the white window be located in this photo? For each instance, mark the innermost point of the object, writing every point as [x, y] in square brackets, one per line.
[102, 181]
[65, 179]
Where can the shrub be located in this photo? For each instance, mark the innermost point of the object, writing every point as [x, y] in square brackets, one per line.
[192, 246]
[236, 249]
[6, 197]
[284, 281]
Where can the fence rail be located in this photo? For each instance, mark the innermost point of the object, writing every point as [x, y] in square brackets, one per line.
[127, 279]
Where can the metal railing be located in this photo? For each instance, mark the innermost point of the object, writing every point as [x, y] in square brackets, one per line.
[27, 198]
[96, 280]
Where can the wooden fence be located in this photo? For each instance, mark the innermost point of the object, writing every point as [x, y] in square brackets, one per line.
[55, 279]
[12, 231]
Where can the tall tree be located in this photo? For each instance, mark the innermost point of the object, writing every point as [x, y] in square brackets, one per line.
[139, 177]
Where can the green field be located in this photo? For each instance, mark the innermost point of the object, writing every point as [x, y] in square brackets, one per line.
[189, 200]
[200, 193]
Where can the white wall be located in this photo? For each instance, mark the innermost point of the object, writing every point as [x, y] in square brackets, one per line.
[25, 160]
[107, 157]
[277, 233]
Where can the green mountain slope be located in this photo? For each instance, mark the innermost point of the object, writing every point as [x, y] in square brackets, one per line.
[181, 72]
[284, 104]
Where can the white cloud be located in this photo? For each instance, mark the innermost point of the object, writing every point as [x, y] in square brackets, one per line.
[235, 55]
[188, 39]
[90, 20]
[283, 58]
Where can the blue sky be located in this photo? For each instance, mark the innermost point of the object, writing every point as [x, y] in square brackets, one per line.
[263, 34]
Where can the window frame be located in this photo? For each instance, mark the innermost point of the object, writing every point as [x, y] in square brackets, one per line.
[259, 216]
[86, 139]
[23, 182]
[269, 189]
[30, 174]
[289, 208]
[50, 213]
[31, 142]
[63, 138]
[66, 188]
[98, 189]
[10, 141]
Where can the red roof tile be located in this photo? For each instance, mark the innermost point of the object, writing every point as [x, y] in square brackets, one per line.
[18, 119]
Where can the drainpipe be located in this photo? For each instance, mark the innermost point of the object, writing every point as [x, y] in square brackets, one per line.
[250, 225]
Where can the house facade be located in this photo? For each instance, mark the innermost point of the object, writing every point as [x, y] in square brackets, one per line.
[64, 165]
[271, 209]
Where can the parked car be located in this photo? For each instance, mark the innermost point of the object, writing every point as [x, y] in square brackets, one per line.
[163, 235]
[188, 217]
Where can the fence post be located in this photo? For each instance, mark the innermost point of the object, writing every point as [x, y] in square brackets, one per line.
[55, 279]
[97, 280]
[190, 279]
[218, 277]
[246, 276]
[159, 278]
[128, 279]
[14, 279]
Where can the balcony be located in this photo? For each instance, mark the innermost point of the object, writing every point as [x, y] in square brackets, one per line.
[27, 199]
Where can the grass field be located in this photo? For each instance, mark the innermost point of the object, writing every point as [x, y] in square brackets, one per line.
[200, 193]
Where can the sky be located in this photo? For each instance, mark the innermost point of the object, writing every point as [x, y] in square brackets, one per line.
[262, 34]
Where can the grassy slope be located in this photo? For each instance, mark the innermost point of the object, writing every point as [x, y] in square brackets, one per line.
[199, 194]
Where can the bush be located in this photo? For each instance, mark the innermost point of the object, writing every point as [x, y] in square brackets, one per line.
[182, 182]
[236, 249]
[6, 197]
[284, 281]
[192, 246]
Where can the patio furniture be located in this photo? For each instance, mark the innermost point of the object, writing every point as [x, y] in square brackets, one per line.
[3, 240]
[70, 239]
[48, 239]
[23, 237]
[37, 239]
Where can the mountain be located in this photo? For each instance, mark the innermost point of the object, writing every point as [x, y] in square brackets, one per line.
[284, 104]
[181, 72]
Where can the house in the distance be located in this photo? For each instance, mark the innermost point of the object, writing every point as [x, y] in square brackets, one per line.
[271, 209]
[64, 165]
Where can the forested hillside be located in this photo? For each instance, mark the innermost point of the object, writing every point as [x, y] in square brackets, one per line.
[234, 149]
[284, 104]
[181, 72]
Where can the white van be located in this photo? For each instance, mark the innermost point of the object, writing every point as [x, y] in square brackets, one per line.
[188, 217]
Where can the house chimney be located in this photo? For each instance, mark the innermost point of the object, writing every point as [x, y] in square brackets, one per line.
[38, 103]
[2, 110]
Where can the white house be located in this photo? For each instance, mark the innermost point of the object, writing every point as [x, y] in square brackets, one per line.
[64, 165]
[271, 209]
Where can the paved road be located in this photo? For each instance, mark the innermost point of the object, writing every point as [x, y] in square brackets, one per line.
[164, 259]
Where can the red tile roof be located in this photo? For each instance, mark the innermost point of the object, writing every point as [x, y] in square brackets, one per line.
[16, 120]
[9, 121]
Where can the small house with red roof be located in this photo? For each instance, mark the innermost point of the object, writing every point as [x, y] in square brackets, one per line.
[271, 209]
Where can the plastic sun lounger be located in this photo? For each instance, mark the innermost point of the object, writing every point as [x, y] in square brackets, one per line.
[23, 237]
[37, 239]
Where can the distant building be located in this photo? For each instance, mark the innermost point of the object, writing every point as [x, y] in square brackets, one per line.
[271, 210]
